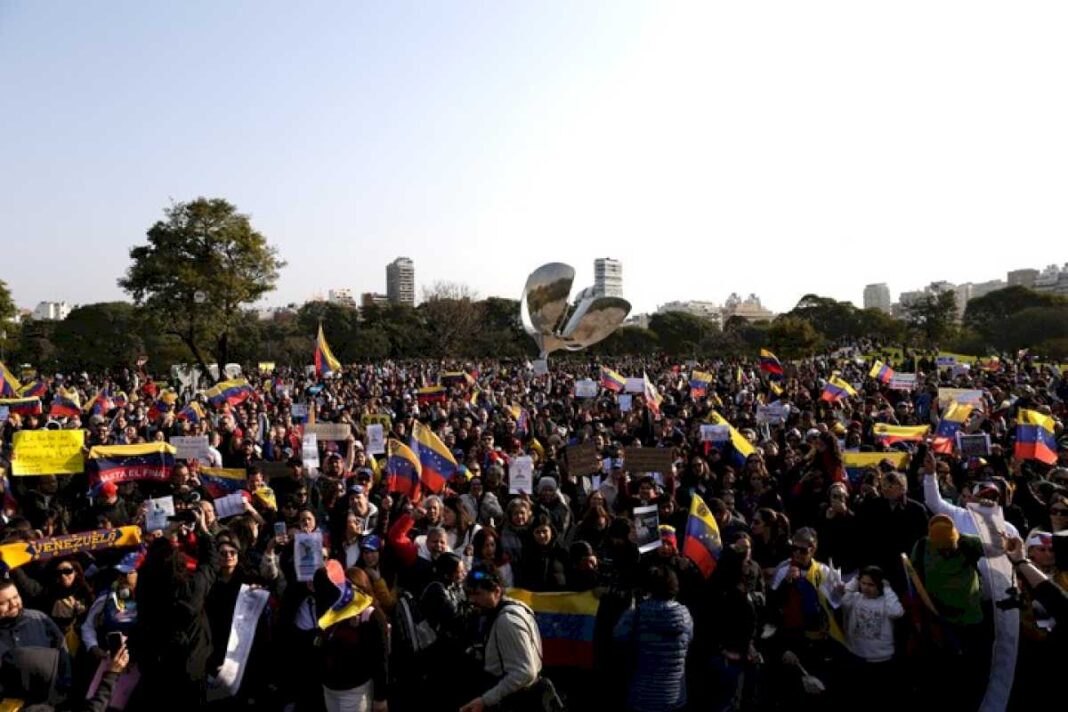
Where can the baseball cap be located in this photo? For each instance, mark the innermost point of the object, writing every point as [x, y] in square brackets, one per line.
[371, 543]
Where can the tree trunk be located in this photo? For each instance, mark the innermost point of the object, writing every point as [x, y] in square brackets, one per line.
[188, 339]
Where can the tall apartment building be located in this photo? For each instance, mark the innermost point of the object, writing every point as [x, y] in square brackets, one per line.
[51, 311]
[400, 281]
[1022, 278]
[877, 296]
[341, 296]
[607, 277]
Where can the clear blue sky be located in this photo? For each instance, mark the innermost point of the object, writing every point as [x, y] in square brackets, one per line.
[779, 148]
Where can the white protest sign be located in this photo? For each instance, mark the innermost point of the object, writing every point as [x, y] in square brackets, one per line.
[635, 385]
[976, 445]
[247, 611]
[715, 433]
[586, 388]
[299, 411]
[902, 381]
[191, 447]
[626, 402]
[4, 412]
[961, 395]
[774, 413]
[158, 511]
[521, 475]
[541, 367]
[310, 451]
[308, 549]
[376, 439]
[647, 527]
[229, 506]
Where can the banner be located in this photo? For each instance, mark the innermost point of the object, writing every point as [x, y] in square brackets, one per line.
[20, 553]
[48, 452]
[191, 447]
[328, 431]
[965, 396]
[247, 611]
[128, 463]
[902, 381]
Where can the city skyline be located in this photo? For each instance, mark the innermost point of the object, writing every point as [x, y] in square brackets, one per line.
[708, 150]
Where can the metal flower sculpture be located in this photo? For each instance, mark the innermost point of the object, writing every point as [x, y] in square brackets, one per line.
[553, 324]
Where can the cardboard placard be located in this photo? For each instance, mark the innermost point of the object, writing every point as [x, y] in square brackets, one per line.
[626, 403]
[582, 459]
[329, 431]
[271, 470]
[586, 388]
[902, 381]
[48, 452]
[647, 459]
[310, 451]
[715, 433]
[191, 447]
[635, 385]
[773, 414]
[967, 396]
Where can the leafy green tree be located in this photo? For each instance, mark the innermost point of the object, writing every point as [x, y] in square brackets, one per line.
[679, 333]
[97, 337]
[933, 317]
[988, 314]
[203, 263]
[831, 318]
[1029, 328]
[8, 310]
[879, 325]
[628, 340]
[793, 337]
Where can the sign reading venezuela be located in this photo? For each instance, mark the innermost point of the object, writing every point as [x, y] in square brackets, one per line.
[14, 555]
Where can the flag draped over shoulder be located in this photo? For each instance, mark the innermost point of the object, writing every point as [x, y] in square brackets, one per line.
[403, 470]
[325, 363]
[612, 381]
[769, 364]
[438, 464]
[1035, 438]
[231, 392]
[565, 622]
[703, 542]
[836, 389]
[890, 434]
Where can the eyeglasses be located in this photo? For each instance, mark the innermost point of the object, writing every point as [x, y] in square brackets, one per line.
[65, 572]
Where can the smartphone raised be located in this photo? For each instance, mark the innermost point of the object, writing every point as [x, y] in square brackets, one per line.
[115, 641]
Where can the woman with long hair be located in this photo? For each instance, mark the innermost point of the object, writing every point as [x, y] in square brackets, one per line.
[460, 527]
[67, 594]
[771, 539]
[488, 550]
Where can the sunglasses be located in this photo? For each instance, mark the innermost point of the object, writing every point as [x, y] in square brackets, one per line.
[64, 572]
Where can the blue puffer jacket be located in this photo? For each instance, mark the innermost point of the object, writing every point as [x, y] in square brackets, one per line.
[665, 630]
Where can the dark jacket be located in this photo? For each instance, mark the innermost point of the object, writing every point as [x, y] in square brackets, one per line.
[355, 651]
[661, 632]
[543, 568]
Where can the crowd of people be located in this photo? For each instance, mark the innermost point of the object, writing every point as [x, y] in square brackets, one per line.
[938, 577]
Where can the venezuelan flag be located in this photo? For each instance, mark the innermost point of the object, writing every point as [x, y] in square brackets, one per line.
[1035, 439]
[703, 542]
[836, 389]
[890, 434]
[431, 394]
[992, 364]
[742, 448]
[954, 419]
[127, 463]
[165, 403]
[65, 404]
[612, 381]
[403, 470]
[325, 363]
[34, 389]
[438, 464]
[652, 398]
[233, 392]
[9, 385]
[769, 364]
[566, 622]
[775, 388]
[193, 412]
[100, 404]
[221, 481]
[856, 462]
[881, 372]
[699, 383]
[22, 406]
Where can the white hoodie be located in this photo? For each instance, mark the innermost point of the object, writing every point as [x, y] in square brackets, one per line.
[869, 630]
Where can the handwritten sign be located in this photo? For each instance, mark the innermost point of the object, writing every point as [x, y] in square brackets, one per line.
[586, 388]
[902, 381]
[329, 431]
[648, 459]
[48, 452]
[966, 396]
[191, 447]
[582, 459]
[377, 418]
[715, 433]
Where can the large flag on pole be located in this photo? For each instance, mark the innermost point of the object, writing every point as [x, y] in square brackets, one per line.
[325, 363]
[703, 542]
